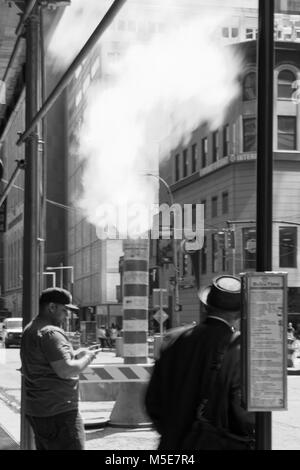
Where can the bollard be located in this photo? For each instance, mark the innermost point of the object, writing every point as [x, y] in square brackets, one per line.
[119, 346]
[158, 339]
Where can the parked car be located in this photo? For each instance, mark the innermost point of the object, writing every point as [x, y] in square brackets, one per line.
[12, 331]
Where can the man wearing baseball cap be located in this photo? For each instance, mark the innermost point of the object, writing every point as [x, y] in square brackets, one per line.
[197, 378]
[51, 370]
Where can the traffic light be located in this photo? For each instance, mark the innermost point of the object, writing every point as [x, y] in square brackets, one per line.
[153, 278]
[165, 252]
[221, 240]
[185, 264]
[230, 239]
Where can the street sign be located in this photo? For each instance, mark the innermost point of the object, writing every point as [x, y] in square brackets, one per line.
[160, 316]
[264, 345]
[160, 298]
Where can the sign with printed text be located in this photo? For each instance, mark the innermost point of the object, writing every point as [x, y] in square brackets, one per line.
[264, 344]
[160, 298]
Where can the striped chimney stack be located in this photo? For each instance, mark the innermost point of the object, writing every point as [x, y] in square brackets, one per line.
[135, 301]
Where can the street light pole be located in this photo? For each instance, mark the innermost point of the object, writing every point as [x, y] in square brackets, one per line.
[175, 255]
[53, 274]
[61, 268]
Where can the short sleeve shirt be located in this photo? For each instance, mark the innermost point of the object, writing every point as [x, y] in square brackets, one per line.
[46, 394]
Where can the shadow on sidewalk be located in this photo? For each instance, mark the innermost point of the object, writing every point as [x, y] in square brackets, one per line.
[111, 438]
[6, 441]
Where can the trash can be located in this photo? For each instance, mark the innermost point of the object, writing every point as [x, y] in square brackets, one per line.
[157, 344]
[119, 346]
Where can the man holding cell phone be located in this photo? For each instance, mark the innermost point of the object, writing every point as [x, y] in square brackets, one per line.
[50, 368]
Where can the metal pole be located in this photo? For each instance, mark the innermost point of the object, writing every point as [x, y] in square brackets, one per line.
[53, 274]
[92, 41]
[161, 318]
[12, 57]
[175, 256]
[42, 152]
[264, 172]
[61, 275]
[28, 9]
[20, 166]
[233, 251]
[31, 204]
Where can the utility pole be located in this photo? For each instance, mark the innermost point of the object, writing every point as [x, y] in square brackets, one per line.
[31, 262]
[264, 206]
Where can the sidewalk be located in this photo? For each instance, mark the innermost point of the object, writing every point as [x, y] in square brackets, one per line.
[286, 427]
[96, 414]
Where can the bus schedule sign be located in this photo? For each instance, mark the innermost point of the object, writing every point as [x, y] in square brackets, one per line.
[264, 344]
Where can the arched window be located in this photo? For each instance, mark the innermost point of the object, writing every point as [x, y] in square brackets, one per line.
[285, 80]
[249, 87]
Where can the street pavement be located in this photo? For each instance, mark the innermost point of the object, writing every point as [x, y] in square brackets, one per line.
[101, 436]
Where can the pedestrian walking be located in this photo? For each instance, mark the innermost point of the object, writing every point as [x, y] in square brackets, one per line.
[102, 336]
[194, 394]
[50, 368]
[113, 335]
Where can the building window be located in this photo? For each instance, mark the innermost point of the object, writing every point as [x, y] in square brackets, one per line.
[194, 158]
[215, 146]
[226, 140]
[249, 87]
[234, 32]
[185, 163]
[286, 132]
[203, 257]
[287, 247]
[177, 168]
[214, 253]
[249, 134]
[225, 203]
[225, 32]
[204, 148]
[249, 248]
[285, 81]
[251, 33]
[214, 206]
[224, 260]
[121, 25]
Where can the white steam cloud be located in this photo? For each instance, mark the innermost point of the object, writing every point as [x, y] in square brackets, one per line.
[160, 92]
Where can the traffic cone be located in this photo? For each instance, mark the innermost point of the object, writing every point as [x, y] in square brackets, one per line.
[129, 410]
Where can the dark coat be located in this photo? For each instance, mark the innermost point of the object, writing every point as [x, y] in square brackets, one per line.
[181, 376]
